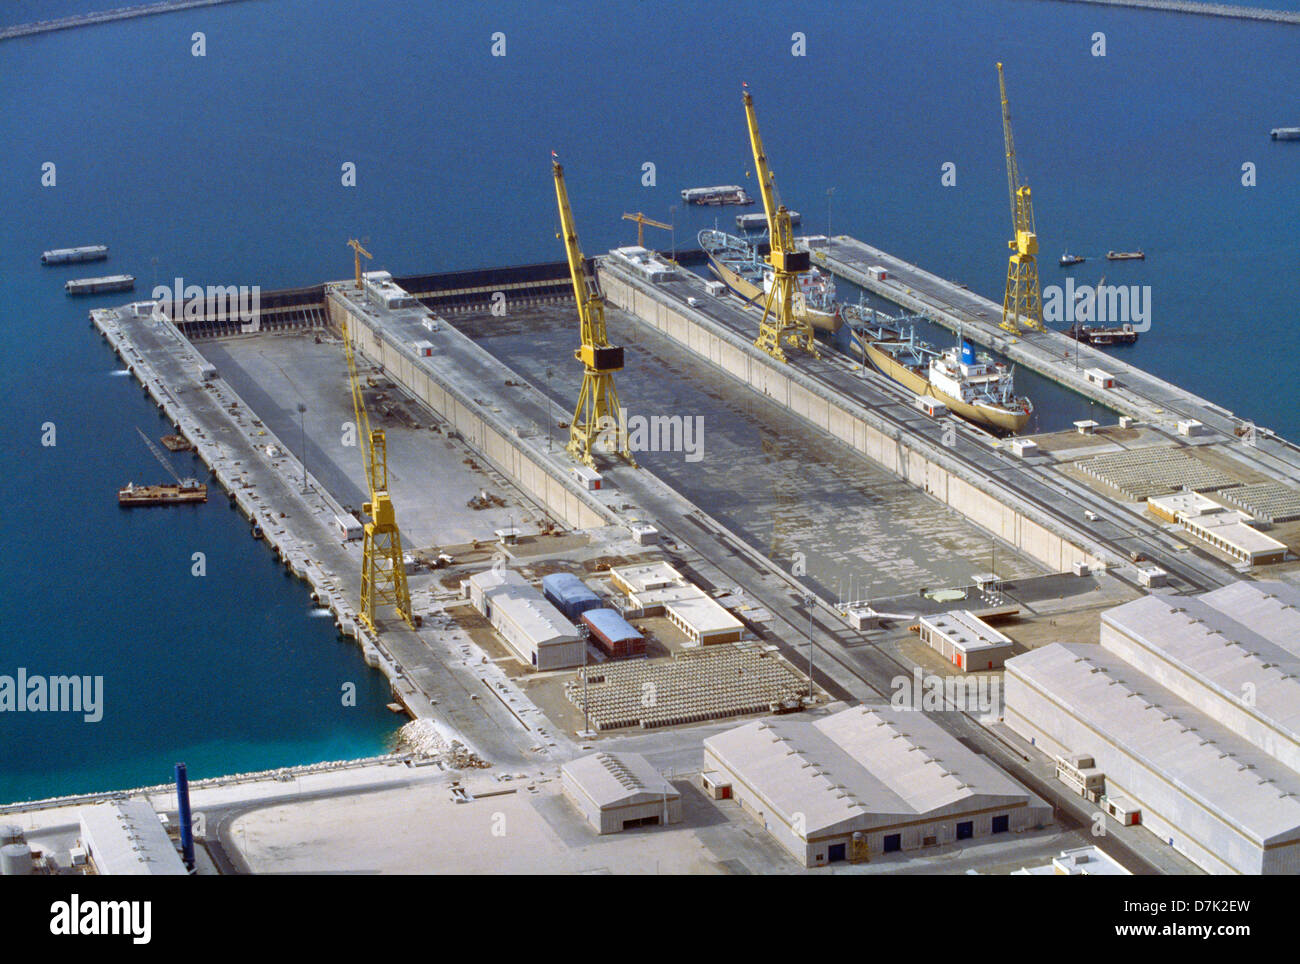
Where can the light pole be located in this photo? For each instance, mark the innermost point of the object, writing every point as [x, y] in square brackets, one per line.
[672, 216]
[550, 417]
[808, 599]
[302, 424]
[830, 193]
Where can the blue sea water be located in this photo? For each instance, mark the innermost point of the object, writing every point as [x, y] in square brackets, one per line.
[226, 169]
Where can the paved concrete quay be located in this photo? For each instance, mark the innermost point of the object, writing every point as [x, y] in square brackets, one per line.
[1136, 393]
[435, 673]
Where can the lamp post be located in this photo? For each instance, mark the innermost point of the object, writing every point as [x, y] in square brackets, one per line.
[808, 599]
[550, 416]
[672, 215]
[830, 193]
[302, 425]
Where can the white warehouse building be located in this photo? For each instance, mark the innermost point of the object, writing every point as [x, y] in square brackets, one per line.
[534, 630]
[1191, 709]
[618, 791]
[865, 781]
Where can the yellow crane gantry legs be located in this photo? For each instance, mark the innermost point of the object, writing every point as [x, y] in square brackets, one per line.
[383, 573]
[783, 315]
[596, 419]
[1022, 302]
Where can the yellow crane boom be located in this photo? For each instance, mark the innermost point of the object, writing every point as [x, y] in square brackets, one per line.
[783, 318]
[596, 417]
[641, 221]
[1023, 300]
[383, 572]
[358, 253]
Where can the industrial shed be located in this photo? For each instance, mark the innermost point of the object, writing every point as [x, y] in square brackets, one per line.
[125, 837]
[534, 630]
[1225, 803]
[569, 594]
[614, 634]
[864, 782]
[618, 791]
[657, 587]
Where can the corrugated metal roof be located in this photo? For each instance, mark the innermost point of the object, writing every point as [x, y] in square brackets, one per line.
[614, 779]
[1196, 754]
[611, 625]
[126, 837]
[512, 594]
[861, 763]
[1243, 638]
[567, 586]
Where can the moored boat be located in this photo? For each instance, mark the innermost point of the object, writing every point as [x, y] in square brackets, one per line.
[973, 386]
[736, 263]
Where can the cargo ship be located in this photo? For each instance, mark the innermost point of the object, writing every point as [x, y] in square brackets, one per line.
[188, 491]
[94, 286]
[1125, 256]
[1068, 260]
[973, 386]
[720, 194]
[1285, 133]
[1102, 336]
[736, 264]
[758, 221]
[90, 252]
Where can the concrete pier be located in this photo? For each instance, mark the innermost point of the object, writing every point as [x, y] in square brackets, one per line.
[1136, 393]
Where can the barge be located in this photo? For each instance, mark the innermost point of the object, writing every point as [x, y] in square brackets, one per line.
[187, 492]
[719, 194]
[90, 252]
[94, 286]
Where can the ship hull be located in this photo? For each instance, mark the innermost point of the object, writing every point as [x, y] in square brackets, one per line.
[751, 292]
[1004, 420]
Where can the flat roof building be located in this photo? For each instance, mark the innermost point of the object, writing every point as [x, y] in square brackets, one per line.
[534, 630]
[965, 640]
[657, 588]
[125, 837]
[865, 781]
[1225, 529]
[1078, 862]
[704, 621]
[619, 791]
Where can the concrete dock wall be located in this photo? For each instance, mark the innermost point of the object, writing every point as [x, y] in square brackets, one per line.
[545, 483]
[916, 460]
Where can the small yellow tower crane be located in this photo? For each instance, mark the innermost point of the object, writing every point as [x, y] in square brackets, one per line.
[358, 252]
[1022, 302]
[383, 574]
[783, 318]
[597, 416]
[641, 221]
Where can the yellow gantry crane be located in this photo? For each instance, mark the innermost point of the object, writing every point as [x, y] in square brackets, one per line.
[783, 318]
[1023, 302]
[641, 221]
[596, 416]
[383, 574]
